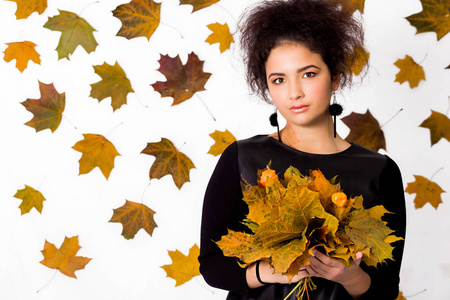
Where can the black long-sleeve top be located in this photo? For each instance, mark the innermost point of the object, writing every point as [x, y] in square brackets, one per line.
[359, 170]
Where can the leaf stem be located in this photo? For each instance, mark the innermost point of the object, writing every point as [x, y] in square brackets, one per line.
[70, 122]
[113, 129]
[173, 27]
[391, 118]
[226, 10]
[204, 104]
[142, 197]
[51, 279]
[436, 173]
[87, 6]
[418, 293]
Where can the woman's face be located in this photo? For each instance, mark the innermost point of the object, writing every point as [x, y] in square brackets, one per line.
[299, 84]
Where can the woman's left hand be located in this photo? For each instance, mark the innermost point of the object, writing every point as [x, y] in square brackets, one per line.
[354, 279]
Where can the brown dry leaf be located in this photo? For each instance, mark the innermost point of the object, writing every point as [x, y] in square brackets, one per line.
[433, 17]
[47, 110]
[365, 130]
[222, 140]
[97, 152]
[426, 192]
[183, 268]
[182, 80]
[198, 4]
[64, 259]
[31, 198]
[169, 161]
[221, 34]
[409, 71]
[26, 7]
[114, 84]
[439, 126]
[139, 18]
[22, 52]
[75, 31]
[350, 6]
[360, 58]
[133, 217]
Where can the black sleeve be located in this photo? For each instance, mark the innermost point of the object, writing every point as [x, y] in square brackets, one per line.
[222, 210]
[386, 277]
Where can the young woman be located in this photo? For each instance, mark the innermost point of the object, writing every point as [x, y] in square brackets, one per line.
[298, 54]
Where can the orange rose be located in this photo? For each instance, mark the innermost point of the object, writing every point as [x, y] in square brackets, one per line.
[339, 198]
[266, 175]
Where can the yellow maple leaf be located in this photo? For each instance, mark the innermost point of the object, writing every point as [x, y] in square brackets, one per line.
[221, 34]
[133, 217]
[359, 59]
[114, 84]
[31, 198]
[439, 126]
[433, 17]
[26, 7]
[22, 52]
[97, 152]
[400, 296]
[169, 161]
[409, 71]
[222, 140]
[198, 4]
[183, 268]
[75, 31]
[426, 192]
[64, 259]
[139, 18]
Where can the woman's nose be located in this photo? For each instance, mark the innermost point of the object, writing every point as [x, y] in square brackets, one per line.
[295, 90]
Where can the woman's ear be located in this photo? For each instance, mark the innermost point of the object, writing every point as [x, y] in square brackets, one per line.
[335, 80]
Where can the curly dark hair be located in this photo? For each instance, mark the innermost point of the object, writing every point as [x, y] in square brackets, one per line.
[320, 25]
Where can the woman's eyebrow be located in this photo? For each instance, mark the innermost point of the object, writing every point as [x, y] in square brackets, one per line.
[298, 71]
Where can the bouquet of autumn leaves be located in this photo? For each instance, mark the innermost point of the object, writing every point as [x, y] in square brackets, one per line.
[289, 218]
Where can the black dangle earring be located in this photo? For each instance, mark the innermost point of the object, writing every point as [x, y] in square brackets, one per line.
[274, 122]
[335, 110]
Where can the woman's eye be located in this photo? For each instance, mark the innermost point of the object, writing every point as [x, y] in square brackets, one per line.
[309, 74]
[278, 80]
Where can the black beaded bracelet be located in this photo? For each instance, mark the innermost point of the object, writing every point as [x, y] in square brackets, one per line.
[257, 273]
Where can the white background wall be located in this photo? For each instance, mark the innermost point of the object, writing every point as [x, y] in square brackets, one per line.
[83, 205]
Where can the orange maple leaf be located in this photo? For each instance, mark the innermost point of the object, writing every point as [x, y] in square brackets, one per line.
[409, 71]
[26, 7]
[365, 130]
[47, 110]
[426, 192]
[183, 268]
[75, 31]
[222, 140]
[400, 296]
[182, 80]
[139, 18]
[22, 52]
[439, 126]
[221, 34]
[64, 259]
[97, 152]
[133, 217]
[31, 198]
[169, 161]
[433, 17]
[114, 84]
[198, 4]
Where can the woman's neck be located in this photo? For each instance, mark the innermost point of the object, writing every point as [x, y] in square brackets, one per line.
[318, 140]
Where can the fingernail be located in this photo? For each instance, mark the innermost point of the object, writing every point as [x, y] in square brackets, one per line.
[314, 251]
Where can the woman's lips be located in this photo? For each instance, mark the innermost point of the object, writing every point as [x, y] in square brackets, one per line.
[299, 108]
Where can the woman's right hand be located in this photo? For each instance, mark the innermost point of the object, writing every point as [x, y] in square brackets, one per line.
[267, 275]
